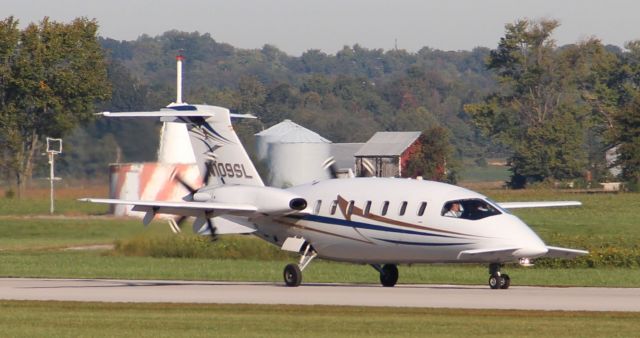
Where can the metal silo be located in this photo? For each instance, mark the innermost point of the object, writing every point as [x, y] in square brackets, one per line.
[293, 154]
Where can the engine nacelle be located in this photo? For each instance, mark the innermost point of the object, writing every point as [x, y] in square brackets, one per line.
[268, 200]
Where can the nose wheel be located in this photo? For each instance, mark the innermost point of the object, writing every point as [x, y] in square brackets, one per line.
[293, 272]
[292, 275]
[498, 280]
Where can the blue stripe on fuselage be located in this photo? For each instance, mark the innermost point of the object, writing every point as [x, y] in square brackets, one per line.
[361, 225]
[420, 243]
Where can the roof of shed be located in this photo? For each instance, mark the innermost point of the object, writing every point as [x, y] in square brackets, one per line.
[384, 143]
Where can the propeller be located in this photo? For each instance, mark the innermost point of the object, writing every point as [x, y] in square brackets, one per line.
[190, 197]
[330, 165]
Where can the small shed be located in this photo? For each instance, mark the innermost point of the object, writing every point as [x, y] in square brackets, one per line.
[386, 153]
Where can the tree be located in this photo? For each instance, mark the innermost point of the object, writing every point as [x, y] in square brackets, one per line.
[536, 111]
[52, 75]
[433, 159]
[626, 121]
[627, 137]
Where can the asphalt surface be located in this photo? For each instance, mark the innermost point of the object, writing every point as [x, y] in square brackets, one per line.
[437, 296]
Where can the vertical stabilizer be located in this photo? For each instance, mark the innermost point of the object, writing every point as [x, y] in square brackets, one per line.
[218, 150]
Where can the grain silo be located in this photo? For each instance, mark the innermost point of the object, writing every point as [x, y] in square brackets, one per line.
[293, 154]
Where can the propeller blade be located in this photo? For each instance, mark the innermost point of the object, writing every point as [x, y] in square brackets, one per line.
[184, 183]
[330, 165]
[212, 229]
[207, 173]
[180, 220]
[333, 171]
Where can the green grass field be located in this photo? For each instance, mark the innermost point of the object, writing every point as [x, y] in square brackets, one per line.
[474, 173]
[43, 246]
[38, 246]
[67, 319]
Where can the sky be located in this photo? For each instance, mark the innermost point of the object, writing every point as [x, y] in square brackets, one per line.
[295, 26]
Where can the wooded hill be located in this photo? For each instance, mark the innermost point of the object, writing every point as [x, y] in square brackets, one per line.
[346, 97]
[485, 98]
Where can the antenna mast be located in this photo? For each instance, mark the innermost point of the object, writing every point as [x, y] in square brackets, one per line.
[179, 59]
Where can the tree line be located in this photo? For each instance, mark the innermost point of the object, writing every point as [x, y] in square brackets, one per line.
[558, 109]
[552, 110]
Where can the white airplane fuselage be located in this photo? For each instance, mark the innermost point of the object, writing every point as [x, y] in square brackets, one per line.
[345, 221]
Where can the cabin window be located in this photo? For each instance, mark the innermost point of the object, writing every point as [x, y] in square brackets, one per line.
[367, 208]
[334, 206]
[316, 210]
[423, 207]
[471, 209]
[385, 208]
[403, 208]
[350, 208]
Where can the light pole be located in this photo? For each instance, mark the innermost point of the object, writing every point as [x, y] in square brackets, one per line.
[54, 147]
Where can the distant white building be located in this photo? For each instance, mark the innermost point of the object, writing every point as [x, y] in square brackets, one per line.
[611, 156]
[293, 154]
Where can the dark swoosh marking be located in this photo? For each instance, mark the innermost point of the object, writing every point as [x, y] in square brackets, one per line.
[421, 243]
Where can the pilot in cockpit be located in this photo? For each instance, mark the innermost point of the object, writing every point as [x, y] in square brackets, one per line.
[455, 210]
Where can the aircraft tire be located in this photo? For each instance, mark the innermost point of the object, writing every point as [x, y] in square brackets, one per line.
[506, 281]
[389, 275]
[292, 275]
[496, 282]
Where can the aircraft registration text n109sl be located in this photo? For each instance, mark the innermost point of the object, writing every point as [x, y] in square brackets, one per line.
[228, 169]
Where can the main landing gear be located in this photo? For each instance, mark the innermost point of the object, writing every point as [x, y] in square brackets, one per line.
[388, 274]
[498, 280]
[293, 272]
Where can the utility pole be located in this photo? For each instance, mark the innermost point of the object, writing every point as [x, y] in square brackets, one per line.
[54, 147]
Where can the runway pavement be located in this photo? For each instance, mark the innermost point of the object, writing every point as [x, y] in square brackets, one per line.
[439, 296]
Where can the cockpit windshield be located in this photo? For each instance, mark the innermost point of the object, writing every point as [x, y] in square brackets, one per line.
[471, 209]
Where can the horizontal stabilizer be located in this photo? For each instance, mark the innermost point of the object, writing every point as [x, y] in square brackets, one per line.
[178, 111]
[555, 252]
[159, 113]
[483, 255]
[545, 204]
[194, 209]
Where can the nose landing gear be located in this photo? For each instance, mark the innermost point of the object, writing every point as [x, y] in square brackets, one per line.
[498, 280]
[293, 272]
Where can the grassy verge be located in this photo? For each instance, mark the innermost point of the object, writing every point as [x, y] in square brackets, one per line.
[102, 265]
[33, 234]
[40, 206]
[66, 319]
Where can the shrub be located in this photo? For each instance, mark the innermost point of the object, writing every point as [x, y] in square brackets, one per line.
[192, 246]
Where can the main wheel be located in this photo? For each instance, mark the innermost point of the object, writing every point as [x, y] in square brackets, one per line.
[496, 282]
[506, 281]
[292, 275]
[389, 275]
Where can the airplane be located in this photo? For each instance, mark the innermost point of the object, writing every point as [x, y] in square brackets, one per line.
[378, 221]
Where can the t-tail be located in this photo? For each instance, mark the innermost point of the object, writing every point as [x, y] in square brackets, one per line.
[216, 146]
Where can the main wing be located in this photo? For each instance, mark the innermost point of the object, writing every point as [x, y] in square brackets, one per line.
[194, 209]
[485, 255]
[507, 254]
[544, 204]
[556, 252]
